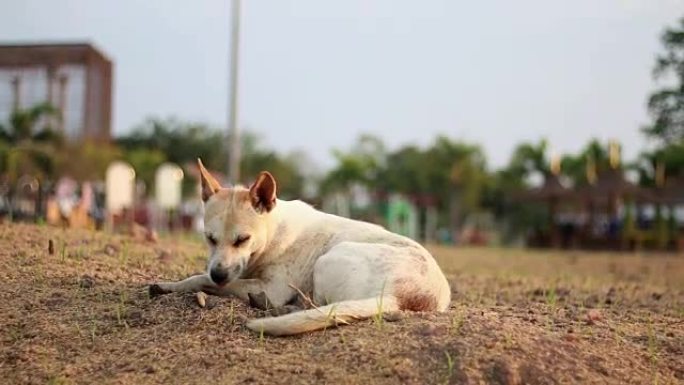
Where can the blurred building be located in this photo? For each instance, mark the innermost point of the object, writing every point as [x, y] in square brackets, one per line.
[75, 78]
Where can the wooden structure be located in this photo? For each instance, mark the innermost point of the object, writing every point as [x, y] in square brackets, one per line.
[608, 214]
[551, 192]
[74, 78]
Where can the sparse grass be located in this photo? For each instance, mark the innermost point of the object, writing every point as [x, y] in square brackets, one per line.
[653, 350]
[93, 331]
[58, 380]
[449, 367]
[508, 339]
[123, 254]
[231, 313]
[62, 253]
[330, 317]
[457, 322]
[15, 333]
[343, 339]
[110, 332]
[378, 318]
[121, 310]
[551, 299]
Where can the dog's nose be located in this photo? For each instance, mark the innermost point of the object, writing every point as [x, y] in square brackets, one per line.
[218, 275]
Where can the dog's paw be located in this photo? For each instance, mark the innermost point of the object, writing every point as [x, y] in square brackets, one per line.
[259, 301]
[155, 290]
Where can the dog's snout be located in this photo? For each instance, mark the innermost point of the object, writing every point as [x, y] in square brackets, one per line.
[219, 275]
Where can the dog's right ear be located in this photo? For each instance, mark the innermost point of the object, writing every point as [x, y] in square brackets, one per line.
[210, 185]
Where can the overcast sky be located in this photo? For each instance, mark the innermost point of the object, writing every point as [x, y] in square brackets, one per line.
[315, 74]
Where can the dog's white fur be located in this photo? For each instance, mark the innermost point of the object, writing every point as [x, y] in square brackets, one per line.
[353, 269]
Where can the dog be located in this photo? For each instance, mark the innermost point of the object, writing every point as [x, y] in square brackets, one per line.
[352, 270]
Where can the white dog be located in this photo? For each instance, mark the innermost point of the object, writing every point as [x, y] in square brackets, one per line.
[353, 270]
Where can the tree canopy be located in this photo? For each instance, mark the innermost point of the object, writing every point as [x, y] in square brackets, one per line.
[666, 104]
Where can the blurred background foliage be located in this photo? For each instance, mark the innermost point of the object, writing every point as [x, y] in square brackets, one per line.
[452, 175]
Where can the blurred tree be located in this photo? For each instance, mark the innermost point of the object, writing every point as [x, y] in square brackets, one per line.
[145, 163]
[179, 142]
[666, 105]
[405, 172]
[452, 174]
[359, 166]
[457, 174]
[594, 158]
[23, 124]
[157, 141]
[529, 158]
[25, 148]
[504, 185]
[286, 169]
[669, 157]
[86, 161]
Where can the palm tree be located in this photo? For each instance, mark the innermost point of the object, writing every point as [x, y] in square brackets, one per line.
[24, 149]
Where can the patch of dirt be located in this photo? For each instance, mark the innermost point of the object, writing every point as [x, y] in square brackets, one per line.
[78, 312]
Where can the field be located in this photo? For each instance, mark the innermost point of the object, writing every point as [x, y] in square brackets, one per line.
[78, 312]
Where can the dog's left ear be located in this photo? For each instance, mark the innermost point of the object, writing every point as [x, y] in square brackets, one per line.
[263, 192]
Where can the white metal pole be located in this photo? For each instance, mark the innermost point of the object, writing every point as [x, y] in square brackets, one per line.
[233, 129]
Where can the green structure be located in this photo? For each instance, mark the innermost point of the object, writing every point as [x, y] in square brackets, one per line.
[402, 216]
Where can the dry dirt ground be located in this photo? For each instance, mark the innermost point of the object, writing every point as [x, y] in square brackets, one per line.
[81, 314]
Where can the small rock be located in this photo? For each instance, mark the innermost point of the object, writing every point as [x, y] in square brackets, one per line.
[430, 330]
[591, 301]
[135, 315]
[594, 316]
[538, 292]
[501, 372]
[142, 233]
[149, 370]
[164, 256]
[110, 249]
[201, 299]
[393, 316]
[86, 282]
[570, 337]
[152, 236]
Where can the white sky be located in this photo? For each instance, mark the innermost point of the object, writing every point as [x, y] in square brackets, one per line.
[315, 74]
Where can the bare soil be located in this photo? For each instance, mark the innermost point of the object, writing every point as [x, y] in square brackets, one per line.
[78, 312]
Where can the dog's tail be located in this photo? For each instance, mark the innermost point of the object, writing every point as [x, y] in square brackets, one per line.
[338, 313]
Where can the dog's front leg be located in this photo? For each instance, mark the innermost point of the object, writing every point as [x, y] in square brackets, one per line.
[196, 283]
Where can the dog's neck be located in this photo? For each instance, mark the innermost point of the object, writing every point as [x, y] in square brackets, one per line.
[288, 220]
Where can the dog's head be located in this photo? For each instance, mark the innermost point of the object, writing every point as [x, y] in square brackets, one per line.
[236, 223]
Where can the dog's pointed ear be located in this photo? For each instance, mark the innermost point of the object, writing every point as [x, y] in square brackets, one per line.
[263, 192]
[209, 184]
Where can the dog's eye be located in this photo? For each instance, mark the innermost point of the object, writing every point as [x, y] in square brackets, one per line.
[212, 240]
[241, 239]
